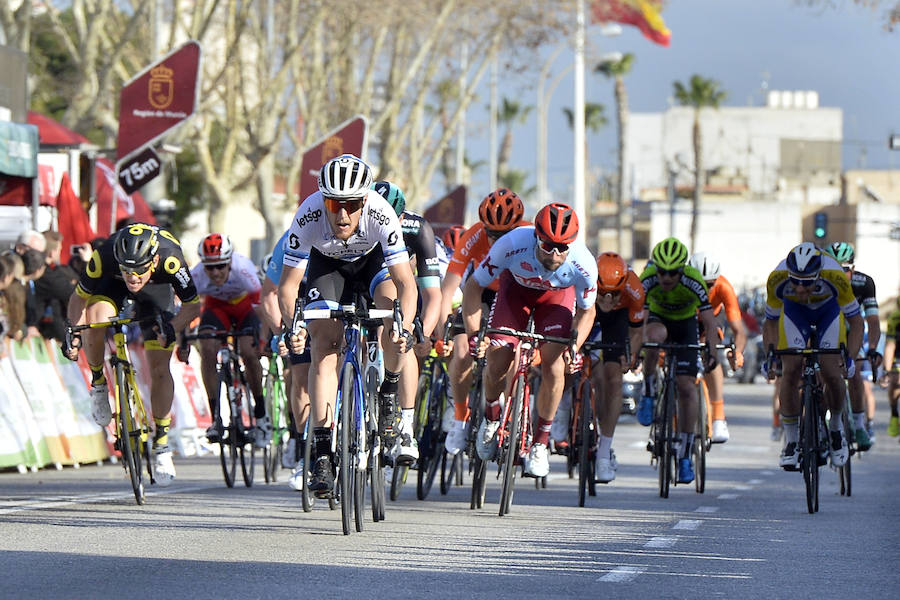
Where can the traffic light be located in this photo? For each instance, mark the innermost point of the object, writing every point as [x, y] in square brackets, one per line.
[820, 225]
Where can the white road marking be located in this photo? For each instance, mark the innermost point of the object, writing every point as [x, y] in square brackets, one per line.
[622, 574]
[728, 496]
[741, 488]
[687, 524]
[661, 542]
[754, 482]
[55, 501]
[707, 509]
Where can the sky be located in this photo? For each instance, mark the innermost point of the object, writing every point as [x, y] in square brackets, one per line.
[838, 49]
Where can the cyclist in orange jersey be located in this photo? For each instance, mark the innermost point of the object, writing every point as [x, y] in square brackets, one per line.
[721, 296]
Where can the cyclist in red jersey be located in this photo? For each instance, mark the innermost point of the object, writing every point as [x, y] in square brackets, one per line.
[721, 296]
[452, 235]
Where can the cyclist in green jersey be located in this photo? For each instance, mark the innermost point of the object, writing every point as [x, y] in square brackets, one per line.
[676, 298]
[892, 368]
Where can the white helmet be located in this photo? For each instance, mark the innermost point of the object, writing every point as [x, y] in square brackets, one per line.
[345, 176]
[804, 261]
[706, 264]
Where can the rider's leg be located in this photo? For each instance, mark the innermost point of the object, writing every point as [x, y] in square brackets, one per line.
[249, 349]
[553, 375]
[208, 350]
[499, 359]
[94, 340]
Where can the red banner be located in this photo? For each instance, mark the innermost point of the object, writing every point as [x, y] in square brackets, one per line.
[643, 14]
[448, 211]
[159, 98]
[74, 223]
[347, 138]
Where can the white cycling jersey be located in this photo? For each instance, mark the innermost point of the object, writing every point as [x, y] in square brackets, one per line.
[378, 224]
[516, 252]
[242, 280]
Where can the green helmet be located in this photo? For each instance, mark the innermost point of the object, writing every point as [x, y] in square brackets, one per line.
[669, 254]
[392, 194]
[842, 252]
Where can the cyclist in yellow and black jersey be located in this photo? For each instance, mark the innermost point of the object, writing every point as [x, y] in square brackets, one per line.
[806, 289]
[145, 264]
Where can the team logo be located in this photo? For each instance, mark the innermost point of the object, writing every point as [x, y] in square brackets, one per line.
[161, 89]
[527, 266]
[313, 294]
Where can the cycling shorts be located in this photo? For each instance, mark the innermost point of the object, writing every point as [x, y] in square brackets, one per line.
[220, 316]
[610, 327]
[553, 310]
[684, 331]
[153, 298]
[332, 282]
[796, 321]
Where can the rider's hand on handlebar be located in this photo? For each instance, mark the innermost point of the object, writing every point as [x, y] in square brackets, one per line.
[735, 359]
[850, 368]
[298, 341]
[403, 340]
[477, 350]
[575, 361]
[875, 358]
[443, 350]
[711, 360]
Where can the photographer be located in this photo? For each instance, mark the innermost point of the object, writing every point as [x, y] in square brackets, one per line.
[53, 289]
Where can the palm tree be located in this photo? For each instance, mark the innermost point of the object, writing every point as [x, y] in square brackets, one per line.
[617, 69]
[699, 93]
[510, 113]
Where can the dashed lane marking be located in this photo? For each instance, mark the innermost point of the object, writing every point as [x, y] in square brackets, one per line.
[707, 509]
[660, 542]
[728, 496]
[687, 524]
[622, 574]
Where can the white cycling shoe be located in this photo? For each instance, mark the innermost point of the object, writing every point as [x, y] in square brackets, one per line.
[537, 463]
[100, 410]
[163, 467]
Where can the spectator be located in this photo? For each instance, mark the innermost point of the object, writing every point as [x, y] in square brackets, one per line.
[52, 291]
[14, 296]
[35, 263]
[31, 239]
[6, 277]
[79, 261]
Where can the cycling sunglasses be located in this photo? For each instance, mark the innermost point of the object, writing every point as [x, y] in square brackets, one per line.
[351, 205]
[553, 247]
[803, 282]
[221, 267]
[670, 272]
[493, 234]
[136, 271]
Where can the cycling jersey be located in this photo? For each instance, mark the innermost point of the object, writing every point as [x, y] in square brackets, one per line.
[832, 285]
[722, 295]
[241, 286]
[864, 292]
[419, 239]
[378, 226]
[472, 247]
[893, 325]
[683, 301]
[516, 252]
[276, 263]
[631, 299]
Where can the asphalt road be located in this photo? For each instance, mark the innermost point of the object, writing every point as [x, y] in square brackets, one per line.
[77, 533]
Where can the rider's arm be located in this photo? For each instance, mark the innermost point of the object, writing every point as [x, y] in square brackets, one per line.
[471, 306]
[268, 310]
[855, 335]
[288, 289]
[431, 309]
[402, 276]
[448, 289]
[75, 311]
[874, 329]
[770, 333]
[708, 318]
[584, 320]
[187, 313]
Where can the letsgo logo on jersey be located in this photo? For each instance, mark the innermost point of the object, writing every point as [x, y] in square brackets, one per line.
[379, 217]
[311, 216]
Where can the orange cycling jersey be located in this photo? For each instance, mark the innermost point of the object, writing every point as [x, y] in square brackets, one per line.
[632, 298]
[721, 293]
[472, 247]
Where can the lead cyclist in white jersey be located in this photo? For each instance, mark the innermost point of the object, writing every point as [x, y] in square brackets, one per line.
[545, 272]
[349, 240]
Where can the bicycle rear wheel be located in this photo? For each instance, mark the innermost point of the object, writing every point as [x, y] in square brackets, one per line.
[346, 469]
[809, 438]
[129, 435]
[478, 466]
[585, 416]
[511, 450]
[428, 430]
[246, 422]
[701, 445]
[846, 470]
[664, 438]
[451, 470]
[376, 470]
[228, 444]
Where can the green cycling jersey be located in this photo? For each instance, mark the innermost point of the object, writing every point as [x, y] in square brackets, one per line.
[680, 303]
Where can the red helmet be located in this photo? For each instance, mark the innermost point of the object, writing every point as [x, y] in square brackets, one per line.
[612, 272]
[556, 223]
[215, 249]
[501, 210]
[452, 235]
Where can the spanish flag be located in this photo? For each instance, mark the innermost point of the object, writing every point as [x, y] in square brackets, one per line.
[643, 14]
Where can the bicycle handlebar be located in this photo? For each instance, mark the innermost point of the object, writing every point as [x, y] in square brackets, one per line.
[526, 335]
[217, 335]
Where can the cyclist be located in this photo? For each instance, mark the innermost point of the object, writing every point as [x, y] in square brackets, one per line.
[501, 211]
[451, 237]
[228, 282]
[619, 316]
[545, 272]
[677, 301]
[808, 288]
[349, 240]
[892, 370]
[144, 264]
[864, 291]
[721, 296]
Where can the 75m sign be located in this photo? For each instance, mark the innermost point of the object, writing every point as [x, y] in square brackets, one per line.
[135, 172]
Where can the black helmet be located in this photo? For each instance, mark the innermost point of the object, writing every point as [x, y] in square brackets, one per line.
[136, 245]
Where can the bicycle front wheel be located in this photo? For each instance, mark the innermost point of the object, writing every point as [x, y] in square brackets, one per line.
[511, 444]
[701, 433]
[809, 458]
[228, 442]
[246, 423]
[585, 465]
[346, 468]
[664, 437]
[129, 435]
[846, 471]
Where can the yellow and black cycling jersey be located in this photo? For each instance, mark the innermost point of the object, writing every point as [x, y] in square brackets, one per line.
[102, 270]
[832, 285]
[893, 325]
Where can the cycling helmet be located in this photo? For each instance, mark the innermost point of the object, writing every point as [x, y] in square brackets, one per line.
[669, 254]
[452, 235]
[392, 194]
[345, 177]
[264, 264]
[842, 252]
[501, 210]
[706, 264]
[136, 245]
[804, 261]
[215, 249]
[611, 273]
[556, 223]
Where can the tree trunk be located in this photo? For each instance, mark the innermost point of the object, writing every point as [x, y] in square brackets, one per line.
[698, 181]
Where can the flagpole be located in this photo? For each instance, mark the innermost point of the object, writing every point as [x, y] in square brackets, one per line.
[578, 125]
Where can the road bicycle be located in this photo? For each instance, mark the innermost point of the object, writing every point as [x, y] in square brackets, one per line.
[235, 404]
[356, 439]
[664, 437]
[400, 471]
[813, 434]
[275, 395]
[133, 430]
[583, 424]
[514, 437]
[703, 441]
[845, 472]
[477, 466]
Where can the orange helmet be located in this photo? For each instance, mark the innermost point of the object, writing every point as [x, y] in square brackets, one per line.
[556, 223]
[501, 210]
[611, 273]
[452, 235]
